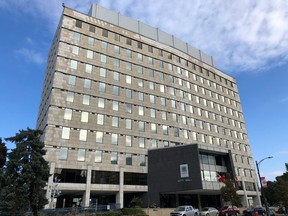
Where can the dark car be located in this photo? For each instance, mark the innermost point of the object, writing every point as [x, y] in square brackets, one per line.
[229, 210]
[252, 210]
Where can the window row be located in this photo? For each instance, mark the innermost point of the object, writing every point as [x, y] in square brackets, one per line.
[101, 137]
[151, 85]
[121, 39]
[129, 124]
[129, 66]
[100, 156]
[129, 93]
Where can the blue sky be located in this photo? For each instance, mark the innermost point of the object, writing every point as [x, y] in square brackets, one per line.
[248, 40]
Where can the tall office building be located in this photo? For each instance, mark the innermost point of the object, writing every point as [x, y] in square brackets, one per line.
[117, 90]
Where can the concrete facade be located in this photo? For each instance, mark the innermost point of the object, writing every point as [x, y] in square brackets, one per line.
[112, 91]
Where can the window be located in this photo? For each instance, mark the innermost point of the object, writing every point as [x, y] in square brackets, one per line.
[140, 57]
[141, 96]
[104, 32]
[150, 49]
[153, 128]
[129, 124]
[141, 126]
[116, 49]
[163, 101]
[128, 159]
[141, 110]
[140, 83]
[151, 85]
[153, 113]
[100, 119]
[102, 87]
[139, 45]
[162, 88]
[128, 93]
[92, 28]
[128, 66]
[164, 115]
[89, 54]
[141, 142]
[63, 153]
[88, 68]
[90, 41]
[154, 143]
[115, 105]
[102, 72]
[128, 53]
[114, 139]
[77, 36]
[150, 60]
[81, 155]
[142, 160]
[128, 79]
[75, 50]
[99, 137]
[73, 64]
[116, 62]
[165, 129]
[78, 24]
[115, 121]
[83, 135]
[68, 114]
[117, 37]
[128, 108]
[86, 99]
[65, 133]
[152, 99]
[87, 83]
[128, 41]
[116, 90]
[103, 58]
[98, 156]
[115, 75]
[114, 158]
[128, 141]
[101, 102]
[165, 144]
[84, 116]
[104, 45]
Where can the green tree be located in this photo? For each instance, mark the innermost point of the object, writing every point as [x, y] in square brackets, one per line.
[3, 154]
[26, 173]
[229, 192]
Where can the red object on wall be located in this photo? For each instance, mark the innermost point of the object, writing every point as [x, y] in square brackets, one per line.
[263, 182]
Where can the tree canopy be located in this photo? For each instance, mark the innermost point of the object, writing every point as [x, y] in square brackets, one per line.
[25, 174]
[229, 192]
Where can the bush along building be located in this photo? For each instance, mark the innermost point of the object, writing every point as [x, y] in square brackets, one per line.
[128, 110]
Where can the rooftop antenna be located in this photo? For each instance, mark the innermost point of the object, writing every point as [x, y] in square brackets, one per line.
[63, 5]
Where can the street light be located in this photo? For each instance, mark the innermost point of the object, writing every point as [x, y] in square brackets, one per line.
[261, 186]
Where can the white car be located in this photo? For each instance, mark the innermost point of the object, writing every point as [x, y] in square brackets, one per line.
[208, 211]
[185, 210]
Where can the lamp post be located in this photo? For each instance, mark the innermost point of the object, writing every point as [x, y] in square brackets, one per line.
[261, 186]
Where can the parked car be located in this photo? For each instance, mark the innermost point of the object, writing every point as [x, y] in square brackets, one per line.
[208, 211]
[252, 210]
[229, 210]
[185, 210]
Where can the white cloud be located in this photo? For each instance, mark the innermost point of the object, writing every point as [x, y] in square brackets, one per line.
[240, 35]
[30, 55]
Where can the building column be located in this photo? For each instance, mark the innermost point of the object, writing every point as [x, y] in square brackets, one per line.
[50, 186]
[120, 194]
[258, 197]
[86, 195]
[199, 201]
[245, 193]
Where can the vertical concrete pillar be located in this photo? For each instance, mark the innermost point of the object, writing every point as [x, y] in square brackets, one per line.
[86, 195]
[245, 193]
[258, 198]
[120, 194]
[50, 186]
[199, 201]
